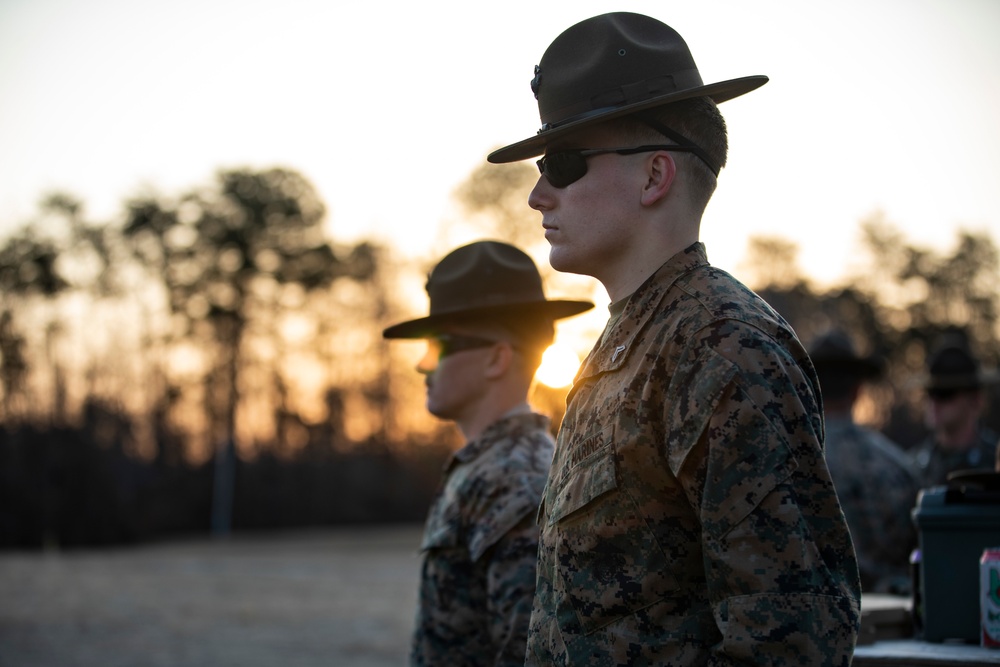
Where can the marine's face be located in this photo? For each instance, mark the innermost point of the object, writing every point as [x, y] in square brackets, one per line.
[453, 367]
[950, 413]
[586, 222]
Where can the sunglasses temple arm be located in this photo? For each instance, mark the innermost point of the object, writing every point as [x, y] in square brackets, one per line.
[681, 140]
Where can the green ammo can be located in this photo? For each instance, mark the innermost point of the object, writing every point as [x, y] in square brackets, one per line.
[955, 524]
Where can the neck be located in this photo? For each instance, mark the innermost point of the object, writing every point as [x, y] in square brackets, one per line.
[666, 240]
[839, 407]
[960, 438]
[832, 412]
[492, 411]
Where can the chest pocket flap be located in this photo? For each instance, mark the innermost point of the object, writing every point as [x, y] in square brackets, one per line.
[589, 480]
[441, 531]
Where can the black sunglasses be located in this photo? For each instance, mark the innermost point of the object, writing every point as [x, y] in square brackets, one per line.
[448, 344]
[569, 166]
[945, 395]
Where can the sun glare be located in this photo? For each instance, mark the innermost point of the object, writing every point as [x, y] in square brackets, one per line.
[559, 366]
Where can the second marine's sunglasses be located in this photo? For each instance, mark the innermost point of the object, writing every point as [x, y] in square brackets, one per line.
[448, 344]
[445, 345]
[562, 168]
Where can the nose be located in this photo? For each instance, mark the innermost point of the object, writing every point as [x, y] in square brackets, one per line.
[540, 197]
[428, 364]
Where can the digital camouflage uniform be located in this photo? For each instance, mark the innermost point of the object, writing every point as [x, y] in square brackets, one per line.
[877, 484]
[935, 462]
[480, 544]
[689, 518]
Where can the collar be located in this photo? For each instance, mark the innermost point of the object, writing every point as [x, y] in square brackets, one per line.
[616, 342]
[521, 414]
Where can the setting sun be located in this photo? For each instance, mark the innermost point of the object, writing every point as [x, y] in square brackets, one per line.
[559, 366]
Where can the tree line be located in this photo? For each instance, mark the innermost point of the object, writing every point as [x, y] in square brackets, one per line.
[213, 361]
[217, 340]
[899, 304]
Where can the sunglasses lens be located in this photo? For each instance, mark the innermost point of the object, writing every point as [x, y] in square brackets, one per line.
[563, 168]
[942, 395]
[447, 345]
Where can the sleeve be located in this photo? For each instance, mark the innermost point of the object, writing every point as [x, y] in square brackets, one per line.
[779, 563]
[503, 543]
[512, 496]
[510, 576]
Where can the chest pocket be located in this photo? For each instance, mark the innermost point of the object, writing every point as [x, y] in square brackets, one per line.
[607, 561]
[442, 531]
[587, 482]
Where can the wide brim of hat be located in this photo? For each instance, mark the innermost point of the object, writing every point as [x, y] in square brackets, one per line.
[432, 324]
[961, 381]
[535, 146]
[863, 367]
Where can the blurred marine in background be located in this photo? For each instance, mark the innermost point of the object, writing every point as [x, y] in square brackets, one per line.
[956, 398]
[876, 481]
[488, 326]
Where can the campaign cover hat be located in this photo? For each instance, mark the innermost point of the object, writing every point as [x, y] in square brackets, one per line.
[834, 352]
[610, 66]
[486, 279]
[953, 367]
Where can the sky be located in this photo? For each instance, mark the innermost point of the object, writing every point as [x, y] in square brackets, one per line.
[886, 106]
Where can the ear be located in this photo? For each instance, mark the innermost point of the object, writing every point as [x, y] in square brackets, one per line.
[500, 359]
[661, 170]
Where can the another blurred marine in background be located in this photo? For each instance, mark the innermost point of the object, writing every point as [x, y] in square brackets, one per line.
[956, 397]
[876, 481]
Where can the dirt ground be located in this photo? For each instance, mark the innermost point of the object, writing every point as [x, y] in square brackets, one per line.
[341, 597]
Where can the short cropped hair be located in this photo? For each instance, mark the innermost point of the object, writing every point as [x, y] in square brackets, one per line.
[836, 384]
[530, 336]
[697, 119]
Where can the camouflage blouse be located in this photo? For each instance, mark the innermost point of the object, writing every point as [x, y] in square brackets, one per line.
[480, 543]
[689, 518]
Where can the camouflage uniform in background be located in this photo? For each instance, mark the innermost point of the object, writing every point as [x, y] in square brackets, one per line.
[689, 518]
[480, 545]
[877, 484]
[936, 462]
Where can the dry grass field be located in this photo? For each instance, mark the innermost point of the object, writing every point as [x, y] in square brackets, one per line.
[339, 597]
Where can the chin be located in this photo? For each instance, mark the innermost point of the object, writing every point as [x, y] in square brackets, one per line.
[563, 261]
[438, 411]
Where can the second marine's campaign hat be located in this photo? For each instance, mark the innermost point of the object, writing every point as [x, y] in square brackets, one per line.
[953, 367]
[834, 352]
[610, 66]
[486, 279]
